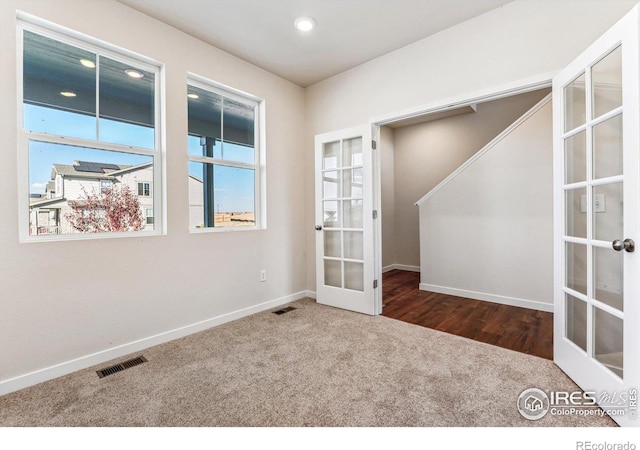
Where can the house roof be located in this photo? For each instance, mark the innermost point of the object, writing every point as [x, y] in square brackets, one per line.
[95, 170]
[40, 203]
[126, 169]
[87, 169]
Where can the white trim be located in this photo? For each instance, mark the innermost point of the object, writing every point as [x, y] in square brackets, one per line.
[26, 22]
[86, 42]
[259, 162]
[400, 267]
[511, 301]
[83, 362]
[310, 294]
[522, 86]
[485, 149]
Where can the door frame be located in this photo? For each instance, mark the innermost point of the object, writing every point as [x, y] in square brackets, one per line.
[522, 86]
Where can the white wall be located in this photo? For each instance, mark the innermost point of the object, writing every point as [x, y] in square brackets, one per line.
[518, 41]
[113, 292]
[488, 233]
[426, 153]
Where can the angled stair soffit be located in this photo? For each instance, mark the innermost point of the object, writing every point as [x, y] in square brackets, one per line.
[510, 129]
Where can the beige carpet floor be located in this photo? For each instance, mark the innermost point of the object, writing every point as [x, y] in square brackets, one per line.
[314, 366]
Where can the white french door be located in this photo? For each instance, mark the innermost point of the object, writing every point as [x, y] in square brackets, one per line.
[344, 220]
[597, 217]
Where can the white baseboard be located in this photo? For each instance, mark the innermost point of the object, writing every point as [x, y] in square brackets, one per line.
[310, 294]
[58, 370]
[401, 267]
[512, 301]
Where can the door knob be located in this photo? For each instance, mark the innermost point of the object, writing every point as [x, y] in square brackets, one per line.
[628, 245]
[318, 227]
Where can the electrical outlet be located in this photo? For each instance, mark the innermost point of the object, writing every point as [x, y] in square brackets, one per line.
[263, 275]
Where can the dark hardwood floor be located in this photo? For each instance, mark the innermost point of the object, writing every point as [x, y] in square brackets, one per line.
[520, 329]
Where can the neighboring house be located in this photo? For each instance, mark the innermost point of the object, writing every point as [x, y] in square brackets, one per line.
[47, 214]
[196, 202]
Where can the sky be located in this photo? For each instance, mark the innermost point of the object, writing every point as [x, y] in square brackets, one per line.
[233, 187]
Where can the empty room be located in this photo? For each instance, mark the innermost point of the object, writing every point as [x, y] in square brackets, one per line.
[203, 202]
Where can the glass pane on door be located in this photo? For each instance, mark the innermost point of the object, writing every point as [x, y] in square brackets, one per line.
[332, 243]
[606, 78]
[354, 276]
[330, 184]
[576, 257]
[352, 152]
[331, 153]
[576, 211]
[608, 344]
[575, 155]
[331, 214]
[608, 215]
[608, 276]
[576, 321]
[332, 273]
[607, 148]
[575, 104]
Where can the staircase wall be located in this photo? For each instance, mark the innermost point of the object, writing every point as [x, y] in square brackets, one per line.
[487, 231]
[426, 153]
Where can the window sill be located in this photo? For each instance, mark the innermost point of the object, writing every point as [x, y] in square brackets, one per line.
[223, 229]
[88, 236]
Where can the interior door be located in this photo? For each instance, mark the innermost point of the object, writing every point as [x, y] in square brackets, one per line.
[597, 218]
[344, 220]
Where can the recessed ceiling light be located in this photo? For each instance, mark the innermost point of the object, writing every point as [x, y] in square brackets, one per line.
[193, 95]
[134, 73]
[88, 63]
[305, 23]
[68, 94]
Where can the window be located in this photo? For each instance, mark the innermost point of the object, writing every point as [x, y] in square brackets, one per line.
[149, 216]
[144, 189]
[105, 185]
[224, 157]
[91, 128]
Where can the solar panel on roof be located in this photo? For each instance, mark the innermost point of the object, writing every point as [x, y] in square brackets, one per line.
[94, 167]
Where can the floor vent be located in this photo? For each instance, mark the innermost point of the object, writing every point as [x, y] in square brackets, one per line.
[284, 310]
[120, 367]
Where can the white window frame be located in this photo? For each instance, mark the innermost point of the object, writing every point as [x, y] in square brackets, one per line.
[259, 164]
[27, 22]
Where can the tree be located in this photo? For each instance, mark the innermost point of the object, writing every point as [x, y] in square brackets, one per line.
[115, 208]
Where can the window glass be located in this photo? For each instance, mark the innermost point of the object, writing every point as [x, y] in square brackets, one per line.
[59, 88]
[223, 167]
[205, 122]
[97, 190]
[60, 95]
[221, 196]
[238, 135]
[126, 104]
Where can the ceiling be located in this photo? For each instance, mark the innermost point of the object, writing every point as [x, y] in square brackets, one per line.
[348, 32]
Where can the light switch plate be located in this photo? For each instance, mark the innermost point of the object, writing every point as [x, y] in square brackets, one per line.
[599, 203]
